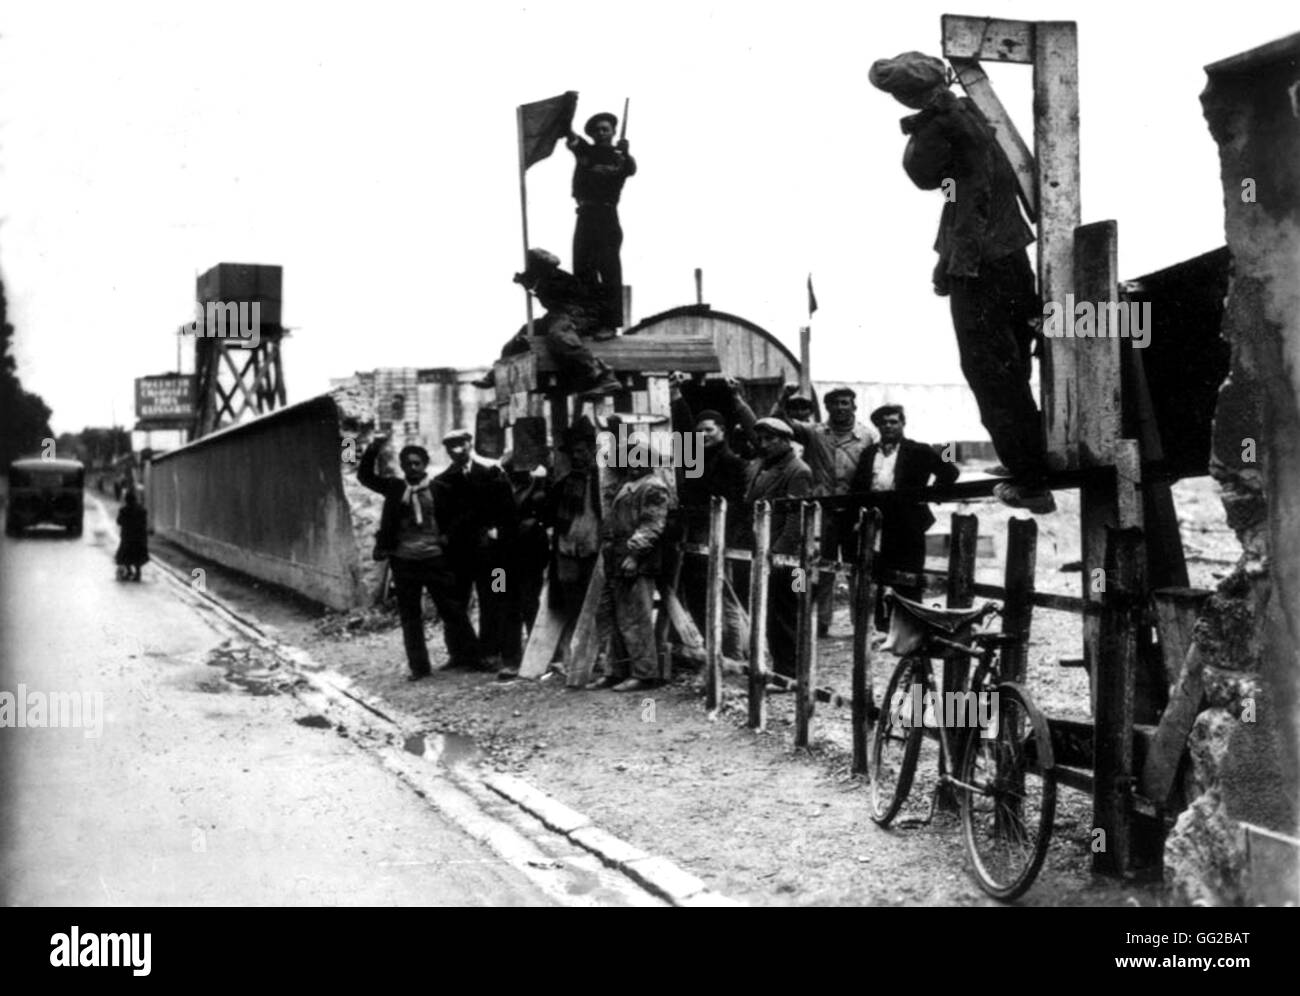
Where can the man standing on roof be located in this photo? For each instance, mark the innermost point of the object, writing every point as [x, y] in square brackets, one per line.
[982, 265]
[599, 173]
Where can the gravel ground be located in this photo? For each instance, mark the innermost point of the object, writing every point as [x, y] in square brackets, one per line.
[754, 817]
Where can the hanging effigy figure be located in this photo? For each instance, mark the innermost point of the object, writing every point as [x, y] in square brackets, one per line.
[982, 269]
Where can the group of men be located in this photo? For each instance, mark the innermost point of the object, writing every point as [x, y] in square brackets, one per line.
[799, 457]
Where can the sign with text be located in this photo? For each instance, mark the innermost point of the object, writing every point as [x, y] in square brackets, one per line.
[170, 396]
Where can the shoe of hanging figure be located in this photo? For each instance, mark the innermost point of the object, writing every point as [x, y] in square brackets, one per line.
[487, 381]
[605, 334]
[1037, 500]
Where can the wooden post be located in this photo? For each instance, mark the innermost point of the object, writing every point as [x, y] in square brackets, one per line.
[713, 603]
[585, 645]
[699, 286]
[806, 667]
[759, 569]
[1018, 606]
[961, 595]
[805, 361]
[1115, 674]
[864, 617]
[1056, 155]
[1097, 360]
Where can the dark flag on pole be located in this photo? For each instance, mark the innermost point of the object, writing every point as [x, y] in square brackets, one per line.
[812, 298]
[544, 123]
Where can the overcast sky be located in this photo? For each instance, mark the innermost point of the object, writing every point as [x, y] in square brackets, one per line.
[370, 150]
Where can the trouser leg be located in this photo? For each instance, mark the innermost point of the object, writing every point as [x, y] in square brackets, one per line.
[450, 586]
[633, 603]
[574, 360]
[990, 319]
[782, 620]
[409, 582]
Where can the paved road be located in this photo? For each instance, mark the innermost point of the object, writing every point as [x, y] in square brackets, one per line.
[194, 791]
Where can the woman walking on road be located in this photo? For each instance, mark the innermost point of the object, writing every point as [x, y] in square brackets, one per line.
[133, 550]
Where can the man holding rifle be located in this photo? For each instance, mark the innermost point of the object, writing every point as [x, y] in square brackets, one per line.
[599, 173]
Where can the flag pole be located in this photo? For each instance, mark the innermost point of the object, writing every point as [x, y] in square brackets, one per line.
[523, 209]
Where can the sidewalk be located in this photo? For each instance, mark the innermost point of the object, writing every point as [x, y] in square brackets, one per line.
[755, 819]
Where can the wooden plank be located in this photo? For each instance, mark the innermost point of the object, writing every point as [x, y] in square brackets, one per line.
[758, 577]
[713, 604]
[961, 595]
[583, 648]
[1176, 611]
[1115, 679]
[806, 657]
[1056, 153]
[973, 79]
[684, 626]
[987, 38]
[636, 353]
[864, 616]
[660, 403]
[544, 637]
[1099, 380]
[1018, 605]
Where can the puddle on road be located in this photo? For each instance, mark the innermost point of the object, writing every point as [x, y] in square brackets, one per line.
[248, 667]
[450, 749]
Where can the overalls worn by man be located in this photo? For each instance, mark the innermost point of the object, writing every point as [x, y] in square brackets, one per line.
[632, 547]
[982, 265]
[599, 173]
[476, 512]
[411, 538]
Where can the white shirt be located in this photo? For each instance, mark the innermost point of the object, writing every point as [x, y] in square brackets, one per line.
[882, 469]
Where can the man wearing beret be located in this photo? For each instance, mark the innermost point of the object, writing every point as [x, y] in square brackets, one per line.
[476, 511]
[599, 173]
[897, 463]
[780, 474]
[982, 265]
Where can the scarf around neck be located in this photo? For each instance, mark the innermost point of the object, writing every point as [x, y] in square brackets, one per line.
[410, 497]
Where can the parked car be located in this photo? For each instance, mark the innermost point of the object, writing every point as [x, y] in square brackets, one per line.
[45, 491]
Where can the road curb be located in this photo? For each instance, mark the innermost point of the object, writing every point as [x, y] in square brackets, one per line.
[656, 874]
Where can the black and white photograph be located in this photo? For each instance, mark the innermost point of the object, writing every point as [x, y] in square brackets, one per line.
[704, 454]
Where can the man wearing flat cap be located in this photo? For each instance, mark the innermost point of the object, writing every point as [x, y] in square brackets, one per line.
[476, 512]
[897, 463]
[599, 173]
[982, 265]
[780, 474]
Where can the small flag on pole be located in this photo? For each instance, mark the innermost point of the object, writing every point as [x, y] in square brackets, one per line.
[543, 123]
[812, 298]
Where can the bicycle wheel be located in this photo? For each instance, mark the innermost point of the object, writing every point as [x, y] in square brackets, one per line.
[1008, 798]
[895, 743]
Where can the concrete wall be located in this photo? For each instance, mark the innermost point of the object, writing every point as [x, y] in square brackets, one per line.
[1245, 747]
[266, 498]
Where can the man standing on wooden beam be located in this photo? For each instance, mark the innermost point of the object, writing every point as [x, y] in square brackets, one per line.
[982, 266]
[599, 173]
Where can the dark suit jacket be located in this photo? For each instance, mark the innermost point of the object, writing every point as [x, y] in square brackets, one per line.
[467, 505]
[915, 465]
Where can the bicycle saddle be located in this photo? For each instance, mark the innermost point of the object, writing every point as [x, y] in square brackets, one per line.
[912, 621]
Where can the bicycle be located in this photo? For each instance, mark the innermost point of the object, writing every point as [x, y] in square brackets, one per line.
[1005, 781]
